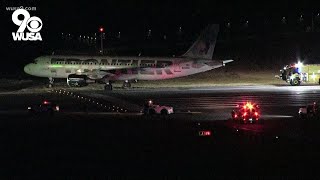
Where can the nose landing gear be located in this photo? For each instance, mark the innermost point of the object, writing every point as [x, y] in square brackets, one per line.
[126, 84]
[51, 80]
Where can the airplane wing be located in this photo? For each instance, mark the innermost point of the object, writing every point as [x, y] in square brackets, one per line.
[216, 63]
[99, 73]
[94, 73]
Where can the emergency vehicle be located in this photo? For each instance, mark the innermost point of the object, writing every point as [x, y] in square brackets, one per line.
[150, 109]
[246, 113]
[297, 73]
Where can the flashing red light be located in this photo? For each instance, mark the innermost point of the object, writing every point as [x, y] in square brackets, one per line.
[207, 133]
[235, 116]
[245, 114]
[256, 114]
[101, 29]
[249, 105]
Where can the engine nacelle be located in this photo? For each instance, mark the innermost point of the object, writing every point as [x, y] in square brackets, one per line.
[75, 80]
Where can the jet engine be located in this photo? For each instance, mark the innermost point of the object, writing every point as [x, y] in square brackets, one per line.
[75, 80]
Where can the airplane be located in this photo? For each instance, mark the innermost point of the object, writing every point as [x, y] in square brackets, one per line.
[81, 70]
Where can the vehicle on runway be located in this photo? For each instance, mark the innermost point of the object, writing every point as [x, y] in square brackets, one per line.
[310, 111]
[246, 113]
[44, 107]
[81, 70]
[151, 109]
[298, 73]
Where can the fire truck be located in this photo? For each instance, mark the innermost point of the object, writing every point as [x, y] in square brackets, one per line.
[298, 73]
[247, 112]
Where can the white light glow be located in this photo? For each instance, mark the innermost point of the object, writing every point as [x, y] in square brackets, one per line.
[298, 65]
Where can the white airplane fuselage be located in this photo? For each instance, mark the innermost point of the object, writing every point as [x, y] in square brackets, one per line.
[197, 59]
[118, 68]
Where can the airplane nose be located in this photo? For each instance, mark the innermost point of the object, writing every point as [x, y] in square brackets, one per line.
[27, 69]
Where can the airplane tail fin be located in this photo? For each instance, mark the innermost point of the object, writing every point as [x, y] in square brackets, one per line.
[204, 46]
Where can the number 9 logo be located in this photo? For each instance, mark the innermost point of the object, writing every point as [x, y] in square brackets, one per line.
[34, 24]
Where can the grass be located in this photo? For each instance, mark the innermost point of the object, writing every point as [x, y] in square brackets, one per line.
[217, 77]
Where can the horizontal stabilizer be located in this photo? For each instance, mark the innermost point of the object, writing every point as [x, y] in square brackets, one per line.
[227, 61]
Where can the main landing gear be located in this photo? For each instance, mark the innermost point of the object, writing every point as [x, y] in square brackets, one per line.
[108, 86]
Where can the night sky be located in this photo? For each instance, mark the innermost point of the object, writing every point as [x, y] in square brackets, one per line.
[134, 18]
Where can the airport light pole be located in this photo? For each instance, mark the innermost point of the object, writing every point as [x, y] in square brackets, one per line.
[101, 36]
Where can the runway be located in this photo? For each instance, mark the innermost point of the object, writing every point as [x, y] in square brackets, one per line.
[99, 131]
[274, 101]
[216, 102]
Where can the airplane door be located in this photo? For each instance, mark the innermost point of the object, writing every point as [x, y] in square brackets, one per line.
[53, 72]
[177, 67]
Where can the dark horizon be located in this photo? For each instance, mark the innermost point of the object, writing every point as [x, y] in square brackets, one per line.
[134, 18]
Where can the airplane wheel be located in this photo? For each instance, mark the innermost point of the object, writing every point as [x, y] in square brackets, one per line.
[126, 85]
[108, 87]
[152, 111]
[295, 82]
[164, 112]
